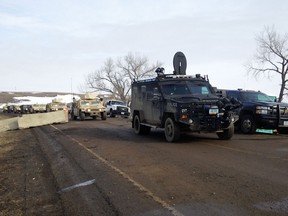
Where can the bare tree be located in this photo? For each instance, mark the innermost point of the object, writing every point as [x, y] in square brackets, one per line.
[271, 57]
[116, 78]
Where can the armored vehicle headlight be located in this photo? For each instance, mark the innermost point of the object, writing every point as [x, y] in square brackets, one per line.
[89, 110]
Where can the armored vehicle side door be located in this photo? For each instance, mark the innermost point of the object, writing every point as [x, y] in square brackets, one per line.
[153, 104]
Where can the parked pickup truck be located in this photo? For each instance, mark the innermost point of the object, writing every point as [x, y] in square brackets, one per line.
[258, 110]
[117, 107]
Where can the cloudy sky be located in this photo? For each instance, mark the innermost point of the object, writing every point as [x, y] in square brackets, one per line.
[53, 45]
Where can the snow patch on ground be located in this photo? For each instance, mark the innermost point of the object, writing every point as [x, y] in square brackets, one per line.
[29, 100]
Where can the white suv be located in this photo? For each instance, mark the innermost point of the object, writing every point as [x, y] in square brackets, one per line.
[116, 107]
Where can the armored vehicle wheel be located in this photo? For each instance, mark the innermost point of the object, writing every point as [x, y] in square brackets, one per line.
[82, 116]
[138, 128]
[227, 133]
[103, 115]
[172, 130]
[247, 124]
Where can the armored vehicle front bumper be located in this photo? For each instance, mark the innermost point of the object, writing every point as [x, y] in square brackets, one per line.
[205, 118]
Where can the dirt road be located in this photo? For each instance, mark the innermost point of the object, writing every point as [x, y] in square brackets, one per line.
[103, 168]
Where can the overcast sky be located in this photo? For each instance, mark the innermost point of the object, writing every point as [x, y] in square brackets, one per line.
[53, 45]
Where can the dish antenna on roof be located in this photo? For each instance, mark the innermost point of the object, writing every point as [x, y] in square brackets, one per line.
[179, 64]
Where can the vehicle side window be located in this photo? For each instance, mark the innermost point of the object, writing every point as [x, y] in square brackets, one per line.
[156, 91]
[231, 94]
[135, 92]
[150, 91]
[143, 92]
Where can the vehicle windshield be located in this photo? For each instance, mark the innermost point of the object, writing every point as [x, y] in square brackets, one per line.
[59, 104]
[90, 103]
[186, 88]
[95, 102]
[84, 103]
[256, 97]
[118, 103]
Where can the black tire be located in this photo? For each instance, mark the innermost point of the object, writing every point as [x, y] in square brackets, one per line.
[82, 116]
[227, 134]
[103, 115]
[172, 130]
[247, 124]
[111, 114]
[282, 130]
[138, 128]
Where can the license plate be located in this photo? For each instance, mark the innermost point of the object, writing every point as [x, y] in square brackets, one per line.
[285, 123]
[213, 111]
[122, 113]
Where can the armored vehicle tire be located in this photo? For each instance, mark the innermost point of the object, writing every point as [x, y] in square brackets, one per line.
[247, 124]
[103, 115]
[138, 128]
[172, 130]
[227, 133]
[82, 116]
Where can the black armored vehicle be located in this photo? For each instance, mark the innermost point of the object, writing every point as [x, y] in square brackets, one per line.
[180, 103]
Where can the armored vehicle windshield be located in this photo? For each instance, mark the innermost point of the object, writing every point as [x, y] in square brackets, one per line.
[186, 88]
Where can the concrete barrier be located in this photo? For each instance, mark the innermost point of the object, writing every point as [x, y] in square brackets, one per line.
[39, 119]
[9, 124]
[33, 120]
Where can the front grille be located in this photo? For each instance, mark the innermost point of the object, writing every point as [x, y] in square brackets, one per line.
[283, 111]
[122, 109]
[200, 110]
